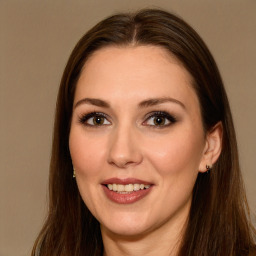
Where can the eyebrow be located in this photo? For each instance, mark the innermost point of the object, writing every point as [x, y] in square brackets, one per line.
[95, 102]
[143, 104]
[157, 101]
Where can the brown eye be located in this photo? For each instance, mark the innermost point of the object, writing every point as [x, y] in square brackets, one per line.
[94, 119]
[159, 120]
[98, 120]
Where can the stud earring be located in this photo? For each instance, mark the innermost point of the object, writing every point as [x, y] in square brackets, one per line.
[74, 173]
[208, 168]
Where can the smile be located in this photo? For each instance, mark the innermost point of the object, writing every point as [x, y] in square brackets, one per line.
[120, 188]
[126, 191]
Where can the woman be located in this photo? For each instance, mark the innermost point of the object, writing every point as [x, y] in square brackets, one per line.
[144, 157]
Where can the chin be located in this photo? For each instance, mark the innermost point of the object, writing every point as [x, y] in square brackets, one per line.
[130, 225]
[122, 231]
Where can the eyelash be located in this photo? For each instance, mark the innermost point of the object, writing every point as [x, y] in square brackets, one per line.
[160, 114]
[84, 118]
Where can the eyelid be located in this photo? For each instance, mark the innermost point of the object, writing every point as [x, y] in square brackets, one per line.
[171, 118]
[85, 117]
[163, 114]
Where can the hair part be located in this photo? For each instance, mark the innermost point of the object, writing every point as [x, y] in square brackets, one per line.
[219, 221]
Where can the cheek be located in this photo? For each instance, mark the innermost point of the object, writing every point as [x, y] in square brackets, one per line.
[86, 152]
[87, 157]
[176, 153]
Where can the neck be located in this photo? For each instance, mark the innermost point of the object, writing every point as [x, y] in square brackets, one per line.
[164, 240]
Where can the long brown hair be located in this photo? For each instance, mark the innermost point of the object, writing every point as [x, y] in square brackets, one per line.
[219, 221]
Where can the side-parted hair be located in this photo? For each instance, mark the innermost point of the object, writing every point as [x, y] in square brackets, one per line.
[219, 220]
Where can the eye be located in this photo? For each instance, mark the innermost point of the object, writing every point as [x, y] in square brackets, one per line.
[94, 119]
[159, 119]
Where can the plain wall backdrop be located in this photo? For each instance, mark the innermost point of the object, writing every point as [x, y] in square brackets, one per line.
[35, 42]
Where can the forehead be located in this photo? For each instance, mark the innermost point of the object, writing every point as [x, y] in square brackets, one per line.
[134, 73]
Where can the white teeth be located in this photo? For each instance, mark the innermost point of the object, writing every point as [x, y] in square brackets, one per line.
[136, 187]
[128, 188]
[120, 188]
[114, 187]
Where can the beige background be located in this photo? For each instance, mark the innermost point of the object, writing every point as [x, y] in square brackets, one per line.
[36, 40]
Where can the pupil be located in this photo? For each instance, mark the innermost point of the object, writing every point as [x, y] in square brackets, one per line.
[159, 121]
[98, 120]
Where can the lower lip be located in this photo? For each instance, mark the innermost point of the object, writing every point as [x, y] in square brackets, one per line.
[128, 198]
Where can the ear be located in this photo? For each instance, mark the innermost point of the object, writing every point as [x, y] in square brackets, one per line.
[213, 146]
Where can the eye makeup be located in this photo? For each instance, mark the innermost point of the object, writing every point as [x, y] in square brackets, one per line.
[94, 119]
[159, 119]
[154, 119]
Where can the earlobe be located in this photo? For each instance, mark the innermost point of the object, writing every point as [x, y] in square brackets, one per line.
[213, 146]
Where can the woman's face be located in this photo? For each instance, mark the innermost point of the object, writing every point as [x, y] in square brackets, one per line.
[136, 140]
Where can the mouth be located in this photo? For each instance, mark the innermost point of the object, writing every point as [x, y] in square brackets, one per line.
[126, 191]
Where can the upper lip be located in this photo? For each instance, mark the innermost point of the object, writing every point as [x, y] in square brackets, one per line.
[125, 181]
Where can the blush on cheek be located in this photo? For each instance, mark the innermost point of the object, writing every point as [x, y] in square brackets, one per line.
[176, 155]
[86, 155]
[86, 164]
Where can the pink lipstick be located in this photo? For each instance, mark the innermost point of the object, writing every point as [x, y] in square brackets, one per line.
[126, 191]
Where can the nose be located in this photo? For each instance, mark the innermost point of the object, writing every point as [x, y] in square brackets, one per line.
[124, 150]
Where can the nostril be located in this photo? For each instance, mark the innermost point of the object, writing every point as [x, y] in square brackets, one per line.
[123, 163]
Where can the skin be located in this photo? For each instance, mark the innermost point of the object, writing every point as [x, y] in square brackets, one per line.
[128, 144]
